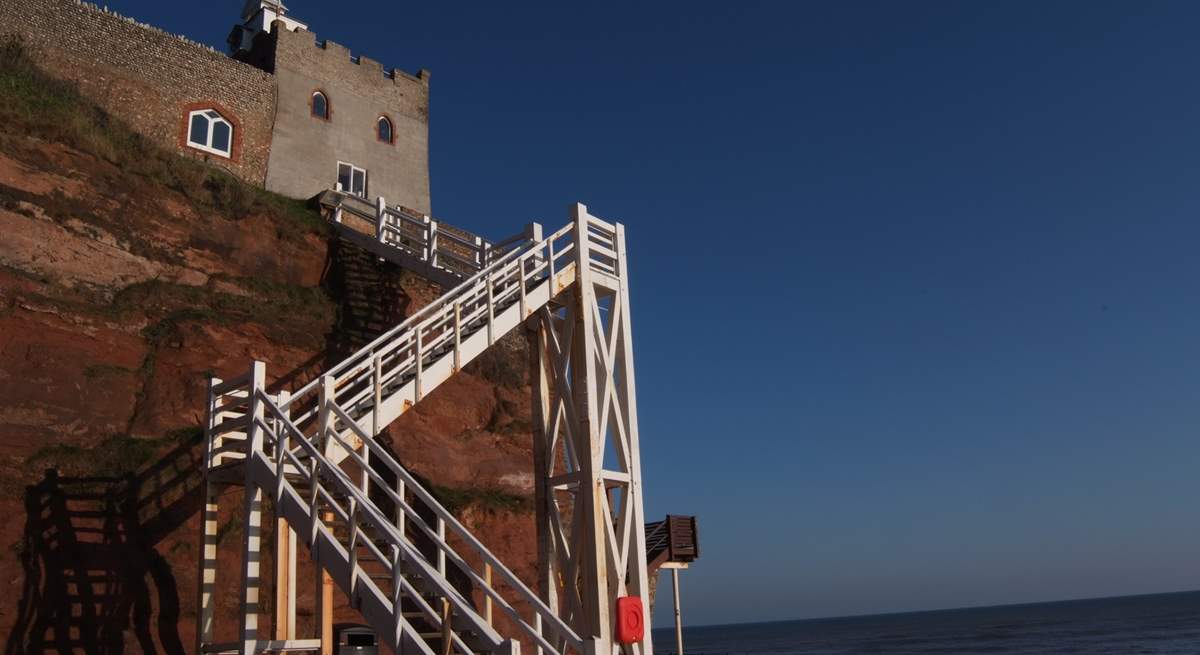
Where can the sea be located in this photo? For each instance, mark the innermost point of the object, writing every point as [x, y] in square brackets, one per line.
[1160, 623]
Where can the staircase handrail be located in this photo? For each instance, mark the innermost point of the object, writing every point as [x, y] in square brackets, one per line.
[363, 504]
[416, 234]
[358, 367]
[521, 264]
[421, 314]
[443, 328]
[379, 454]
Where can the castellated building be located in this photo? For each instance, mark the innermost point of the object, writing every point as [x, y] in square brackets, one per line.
[283, 109]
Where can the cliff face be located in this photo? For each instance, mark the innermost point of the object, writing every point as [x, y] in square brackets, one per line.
[127, 276]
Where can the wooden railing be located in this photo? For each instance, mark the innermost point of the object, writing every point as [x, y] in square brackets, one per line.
[422, 238]
[673, 539]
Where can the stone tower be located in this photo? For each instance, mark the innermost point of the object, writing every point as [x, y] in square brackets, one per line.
[339, 118]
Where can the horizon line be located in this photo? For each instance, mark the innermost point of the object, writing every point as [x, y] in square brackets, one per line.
[964, 608]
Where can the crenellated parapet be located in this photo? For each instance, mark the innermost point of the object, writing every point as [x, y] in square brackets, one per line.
[322, 59]
[250, 112]
[358, 92]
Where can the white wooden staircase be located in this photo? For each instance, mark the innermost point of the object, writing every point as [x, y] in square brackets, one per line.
[421, 580]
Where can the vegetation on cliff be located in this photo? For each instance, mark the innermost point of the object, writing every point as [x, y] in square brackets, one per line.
[128, 274]
[54, 110]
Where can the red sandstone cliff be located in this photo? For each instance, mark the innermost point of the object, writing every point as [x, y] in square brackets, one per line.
[128, 275]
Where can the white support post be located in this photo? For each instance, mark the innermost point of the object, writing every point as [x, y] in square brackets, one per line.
[364, 478]
[291, 583]
[537, 627]
[521, 288]
[678, 616]
[324, 582]
[352, 548]
[282, 444]
[441, 567]
[207, 577]
[285, 580]
[399, 513]
[208, 567]
[377, 388]
[397, 598]
[546, 511]
[419, 356]
[380, 219]
[637, 579]
[314, 498]
[324, 617]
[510, 647]
[433, 242]
[426, 239]
[441, 554]
[487, 598]
[491, 312]
[285, 538]
[213, 459]
[535, 236]
[457, 336]
[325, 416]
[252, 529]
[591, 547]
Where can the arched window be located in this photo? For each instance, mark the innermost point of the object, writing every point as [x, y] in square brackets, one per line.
[320, 105]
[210, 132]
[384, 129]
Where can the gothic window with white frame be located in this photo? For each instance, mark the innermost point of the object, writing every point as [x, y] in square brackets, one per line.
[320, 105]
[383, 129]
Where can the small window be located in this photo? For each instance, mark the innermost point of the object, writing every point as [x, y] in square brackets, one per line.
[320, 105]
[384, 129]
[352, 179]
[210, 132]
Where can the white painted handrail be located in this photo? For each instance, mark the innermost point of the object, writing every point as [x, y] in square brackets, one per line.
[311, 433]
[379, 454]
[454, 251]
[440, 324]
[322, 472]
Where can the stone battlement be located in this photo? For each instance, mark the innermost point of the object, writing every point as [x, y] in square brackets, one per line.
[156, 81]
[339, 51]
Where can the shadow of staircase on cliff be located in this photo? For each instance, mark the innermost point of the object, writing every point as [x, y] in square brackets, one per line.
[92, 571]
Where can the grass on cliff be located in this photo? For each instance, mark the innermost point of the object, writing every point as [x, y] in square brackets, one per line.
[288, 312]
[41, 105]
[458, 499]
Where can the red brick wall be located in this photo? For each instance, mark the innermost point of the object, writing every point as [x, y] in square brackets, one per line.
[148, 78]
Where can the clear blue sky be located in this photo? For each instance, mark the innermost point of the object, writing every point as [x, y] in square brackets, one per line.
[915, 284]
